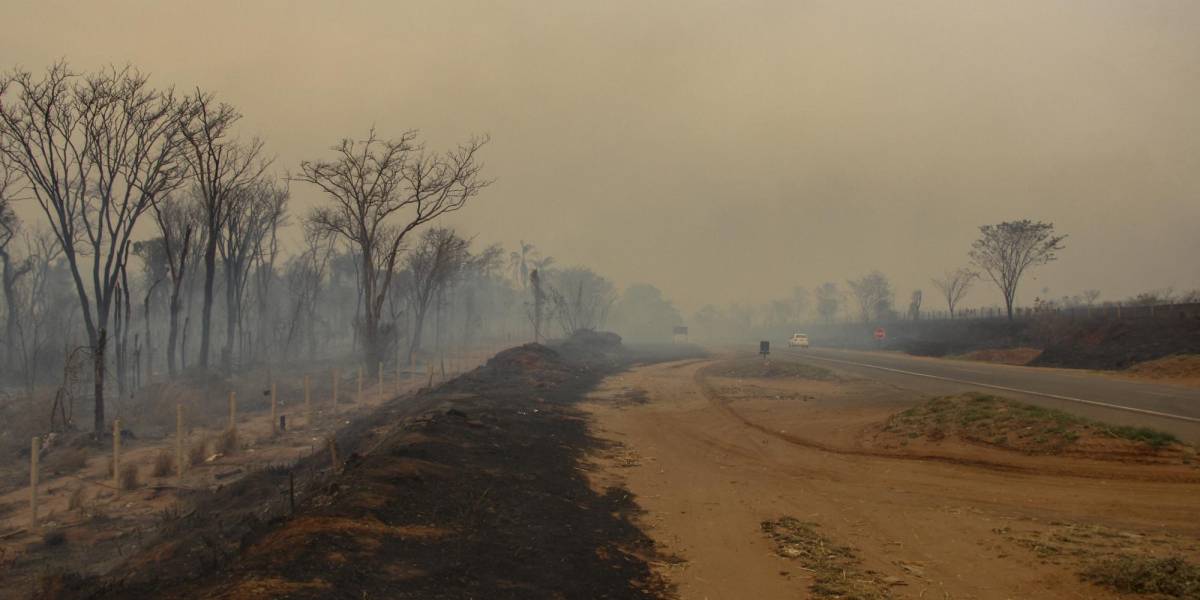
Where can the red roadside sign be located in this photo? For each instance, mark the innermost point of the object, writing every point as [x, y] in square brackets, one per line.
[880, 334]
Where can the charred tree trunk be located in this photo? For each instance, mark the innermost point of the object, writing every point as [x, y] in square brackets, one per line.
[173, 330]
[210, 273]
[98, 344]
[231, 318]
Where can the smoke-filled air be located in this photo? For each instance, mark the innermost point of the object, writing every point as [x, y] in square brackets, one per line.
[572, 300]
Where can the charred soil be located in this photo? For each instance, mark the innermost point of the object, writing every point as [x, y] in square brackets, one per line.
[472, 489]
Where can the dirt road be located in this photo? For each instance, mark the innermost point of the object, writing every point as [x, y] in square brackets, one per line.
[710, 458]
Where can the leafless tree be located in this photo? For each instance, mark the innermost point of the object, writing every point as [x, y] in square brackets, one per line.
[98, 151]
[11, 270]
[177, 223]
[954, 285]
[873, 292]
[34, 304]
[1090, 297]
[221, 167]
[380, 190]
[829, 300]
[914, 305]
[581, 299]
[439, 256]
[1006, 250]
[265, 274]
[254, 211]
[304, 275]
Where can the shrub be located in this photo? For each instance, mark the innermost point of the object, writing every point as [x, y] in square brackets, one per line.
[1171, 577]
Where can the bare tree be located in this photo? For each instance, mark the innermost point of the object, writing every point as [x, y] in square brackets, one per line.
[1004, 251]
[829, 300]
[253, 212]
[10, 270]
[98, 151]
[954, 285]
[177, 222]
[439, 256]
[1090, 297]
[380, 190]
[914, 305]
[221, 167]
[304, 275]
[34, 304]
[581, 299]
[873, 292]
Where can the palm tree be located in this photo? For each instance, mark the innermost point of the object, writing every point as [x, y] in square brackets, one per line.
[518, 261]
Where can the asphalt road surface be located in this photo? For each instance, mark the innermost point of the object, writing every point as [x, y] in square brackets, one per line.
[1104, 397]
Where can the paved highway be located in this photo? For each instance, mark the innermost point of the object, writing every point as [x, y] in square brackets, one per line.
[1104, 397]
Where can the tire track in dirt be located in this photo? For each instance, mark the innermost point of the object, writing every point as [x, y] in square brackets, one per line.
[701, 379]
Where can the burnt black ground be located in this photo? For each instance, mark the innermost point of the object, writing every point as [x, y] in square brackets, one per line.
[474, 490]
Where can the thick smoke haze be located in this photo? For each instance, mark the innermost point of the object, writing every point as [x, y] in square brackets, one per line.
[724, 151]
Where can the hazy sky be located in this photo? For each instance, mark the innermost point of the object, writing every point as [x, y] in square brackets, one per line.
[725, 151]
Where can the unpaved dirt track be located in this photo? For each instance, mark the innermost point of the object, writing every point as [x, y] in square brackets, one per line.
[708, 471]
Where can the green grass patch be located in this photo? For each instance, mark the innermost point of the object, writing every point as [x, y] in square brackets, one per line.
[1007, 423]
[1171, 577]
[756, 368]
[1154, 437]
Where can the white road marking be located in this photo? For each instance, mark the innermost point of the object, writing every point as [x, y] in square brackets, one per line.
[1010, 389]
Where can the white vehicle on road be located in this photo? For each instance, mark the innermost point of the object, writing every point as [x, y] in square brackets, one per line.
[799, 340]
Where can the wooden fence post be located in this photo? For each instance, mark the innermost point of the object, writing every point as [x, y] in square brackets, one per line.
[34, 447]
[179, 441]
[117, 454]
[308, 418]
[274, 412]
[335, 390]
[232, 409]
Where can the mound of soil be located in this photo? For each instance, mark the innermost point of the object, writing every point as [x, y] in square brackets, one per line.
[1183, 366]
[472, 490]
[985, 419]
[755, 368]
[1004, 356]
[595, 348]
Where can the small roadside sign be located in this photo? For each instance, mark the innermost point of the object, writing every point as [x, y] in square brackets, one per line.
[764, 347]
[880, 334]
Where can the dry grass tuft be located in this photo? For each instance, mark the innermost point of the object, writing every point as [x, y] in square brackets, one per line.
[198, 452]
[129, 477]
[227, 444]
[164, 464]
[68, 460]
[76, 499]
[836, 570]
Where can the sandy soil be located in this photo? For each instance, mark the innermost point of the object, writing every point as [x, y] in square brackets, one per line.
[1182, 369]
[710, 459]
